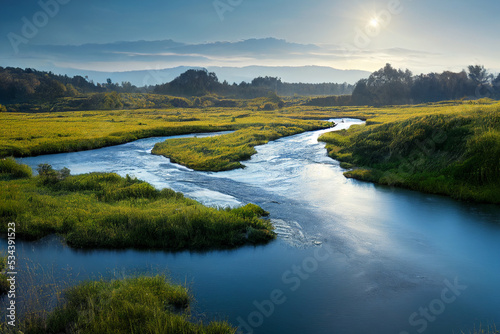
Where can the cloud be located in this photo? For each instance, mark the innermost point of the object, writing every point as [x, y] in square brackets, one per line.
[146, 55]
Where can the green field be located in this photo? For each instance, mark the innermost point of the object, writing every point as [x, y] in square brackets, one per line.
[463, 166]
[450, 149]
[103, 210]
[29, 134]
[132, 305]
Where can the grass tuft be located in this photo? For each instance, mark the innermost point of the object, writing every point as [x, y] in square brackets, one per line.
[132, 305]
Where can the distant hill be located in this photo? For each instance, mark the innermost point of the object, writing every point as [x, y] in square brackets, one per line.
[233, 61]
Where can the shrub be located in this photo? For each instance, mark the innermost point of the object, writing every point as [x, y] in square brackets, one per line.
[14, 169]
[50, 176]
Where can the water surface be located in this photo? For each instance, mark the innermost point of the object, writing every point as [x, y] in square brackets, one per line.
[351, 257]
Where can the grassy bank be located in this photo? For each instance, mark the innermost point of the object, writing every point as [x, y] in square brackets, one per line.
[4, 285]
[134, 305]
[223, 152]
[29, 134]
[103, 210]
[453, 151]
[484, 330]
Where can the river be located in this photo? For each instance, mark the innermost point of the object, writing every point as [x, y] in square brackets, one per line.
[351, 257]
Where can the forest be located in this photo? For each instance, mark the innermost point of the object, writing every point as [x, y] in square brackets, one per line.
[390, 86]
[19, 86]
[30, 90]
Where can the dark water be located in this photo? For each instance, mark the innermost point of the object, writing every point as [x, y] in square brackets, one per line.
[351, 257]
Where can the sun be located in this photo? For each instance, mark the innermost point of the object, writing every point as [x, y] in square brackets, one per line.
[374, 22]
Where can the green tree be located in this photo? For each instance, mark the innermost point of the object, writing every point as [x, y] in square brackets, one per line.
[479, 74]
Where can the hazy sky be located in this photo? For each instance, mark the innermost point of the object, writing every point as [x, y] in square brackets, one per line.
[451, 34]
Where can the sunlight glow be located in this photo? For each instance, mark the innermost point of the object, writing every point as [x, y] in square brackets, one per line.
[374, 22]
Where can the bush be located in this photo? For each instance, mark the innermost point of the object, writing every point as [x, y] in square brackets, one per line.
[13, 169]
[50, 176]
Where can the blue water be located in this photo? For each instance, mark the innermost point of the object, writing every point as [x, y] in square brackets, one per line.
[351, 257]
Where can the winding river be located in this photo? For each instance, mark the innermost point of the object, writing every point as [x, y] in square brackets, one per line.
[351, 257]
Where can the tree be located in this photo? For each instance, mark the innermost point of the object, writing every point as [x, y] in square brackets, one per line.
[191, 83]
[496, 85]
[479, 74]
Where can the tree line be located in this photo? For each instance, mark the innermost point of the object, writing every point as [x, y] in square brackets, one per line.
[28, 85]
[390, 86]
[202, 82]
[387, 86]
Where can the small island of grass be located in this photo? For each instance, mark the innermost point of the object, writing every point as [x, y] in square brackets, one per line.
[224, 152]
[104, 210]
[132, 305]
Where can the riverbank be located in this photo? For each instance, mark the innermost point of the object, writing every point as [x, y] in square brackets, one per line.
[104, 210]
[453, 152]
[149, 305]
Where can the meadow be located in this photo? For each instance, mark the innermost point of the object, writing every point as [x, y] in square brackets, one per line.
[385, 150]
[104, 210]
[450, 148]
[31, 134]
[131, 305]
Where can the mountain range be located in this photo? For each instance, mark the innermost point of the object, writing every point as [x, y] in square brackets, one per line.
[153, 62]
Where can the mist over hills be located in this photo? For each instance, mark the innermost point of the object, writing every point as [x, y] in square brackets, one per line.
[156, 62]
[304, 74]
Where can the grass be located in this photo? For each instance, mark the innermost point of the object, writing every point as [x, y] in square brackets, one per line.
[30, 134]
[9, 168]
[104, 210]
[223, 152]
[488, 330]
[133, 305]
[4, 285]
[378, 158]
[452, 150]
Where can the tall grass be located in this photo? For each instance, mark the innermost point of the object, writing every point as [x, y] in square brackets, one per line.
[104, 210]
[455, 153]
[9, 168]
[131, 305]
[4, 284]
